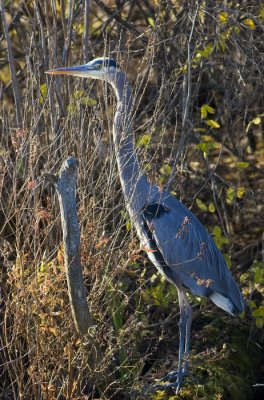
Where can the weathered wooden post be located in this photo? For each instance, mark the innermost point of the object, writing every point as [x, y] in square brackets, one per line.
[65, 185]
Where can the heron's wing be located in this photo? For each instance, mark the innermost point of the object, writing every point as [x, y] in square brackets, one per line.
[188, 250]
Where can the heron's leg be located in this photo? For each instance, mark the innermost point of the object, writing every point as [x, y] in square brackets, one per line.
[188, 314]
[176, 375]
[185, 322]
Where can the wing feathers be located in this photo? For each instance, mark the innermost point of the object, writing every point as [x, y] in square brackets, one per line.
[185, 246]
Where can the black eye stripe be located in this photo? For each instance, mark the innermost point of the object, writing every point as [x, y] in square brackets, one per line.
[112, 63]
[105, 63]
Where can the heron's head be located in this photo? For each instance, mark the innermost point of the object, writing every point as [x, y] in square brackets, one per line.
[102, 68]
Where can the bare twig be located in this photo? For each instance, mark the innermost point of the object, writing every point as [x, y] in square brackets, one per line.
[86, 19]
[187, 88]
[67, 44]
[123, 23]
[12, 68]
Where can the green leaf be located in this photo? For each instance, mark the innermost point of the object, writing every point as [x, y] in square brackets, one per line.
[147, 167]
[240, 192]
[205, 146]
[88, 101]
[211, 207]
[258, 312]
[223, 17]
[259, 323]
[43, 92]
[221, 44]
[230, 195]
[201, 204]
[237, 30]
[128, 226]
[143, 140]
[207, 138]
[249, 23]
[252, 304]
[78, 94]
[165, 169]
[210, 109]
[202, 146]
[203, 111]
[201, 130]
[151, 21]
[217, 231]
[258, 268]
[206, 51]
[71, 108]
[242, 164]
[255, 121]
[214, 124]
[219, 238]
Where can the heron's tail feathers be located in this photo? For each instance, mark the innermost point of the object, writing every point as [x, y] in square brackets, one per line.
[226, 304]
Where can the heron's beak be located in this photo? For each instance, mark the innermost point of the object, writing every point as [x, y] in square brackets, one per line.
[83, 71]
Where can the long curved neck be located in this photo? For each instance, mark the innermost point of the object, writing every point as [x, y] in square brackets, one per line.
[134, 184]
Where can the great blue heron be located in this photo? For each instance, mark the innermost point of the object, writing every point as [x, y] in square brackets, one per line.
[176, 242]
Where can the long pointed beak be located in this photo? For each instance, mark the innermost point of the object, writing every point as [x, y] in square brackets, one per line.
[77, 70]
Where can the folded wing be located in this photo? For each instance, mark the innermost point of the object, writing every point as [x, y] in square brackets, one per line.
[189, 253]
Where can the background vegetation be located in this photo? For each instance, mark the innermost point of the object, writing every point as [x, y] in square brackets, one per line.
[197, 72]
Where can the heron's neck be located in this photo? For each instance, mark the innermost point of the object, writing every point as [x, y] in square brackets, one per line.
[134, 184]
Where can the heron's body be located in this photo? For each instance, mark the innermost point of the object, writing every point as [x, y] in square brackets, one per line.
[175, 241]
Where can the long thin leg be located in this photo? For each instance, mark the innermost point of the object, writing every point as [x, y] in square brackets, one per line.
[188, 310]
[182, 336]
[176, 377]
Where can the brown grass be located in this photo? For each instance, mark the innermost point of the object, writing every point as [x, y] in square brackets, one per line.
[41, 356]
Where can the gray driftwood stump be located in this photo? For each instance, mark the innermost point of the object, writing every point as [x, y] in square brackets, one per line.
[65, 185]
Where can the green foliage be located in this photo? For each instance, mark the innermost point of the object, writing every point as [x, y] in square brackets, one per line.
[170, 53]
[230, 195]
[212, 123]
[165, 169]
[201, 204]
[143, 140]
[151, 21]
[211, 207]
[242, 164]
[206, 51]
[205, 147]
[258, 270]
[127, 219]
[258, 314]
[80, 98]
[218, 237]
[161, 294]
[223, 17]
[43, 93]
[205, 109]
[256, 275]
[249, 23]
[255, 121]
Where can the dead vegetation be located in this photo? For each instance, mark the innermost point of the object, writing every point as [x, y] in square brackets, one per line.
[197, 74]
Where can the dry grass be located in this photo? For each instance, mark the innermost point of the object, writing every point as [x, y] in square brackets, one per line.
[41, 356]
